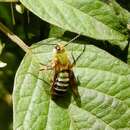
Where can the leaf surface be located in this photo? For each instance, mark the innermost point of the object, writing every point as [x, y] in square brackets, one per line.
[63, 15]
[104, 90]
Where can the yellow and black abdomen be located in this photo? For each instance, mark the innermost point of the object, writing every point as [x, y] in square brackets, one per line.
[61, 84]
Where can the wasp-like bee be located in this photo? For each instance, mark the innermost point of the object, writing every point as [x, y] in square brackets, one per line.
[63, 77]
[63, 73]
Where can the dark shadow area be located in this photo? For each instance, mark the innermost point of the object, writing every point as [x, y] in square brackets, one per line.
[63, 101]
[12, 55]
[114, 50]
[125, 4]
[6, 115]
[126, 51]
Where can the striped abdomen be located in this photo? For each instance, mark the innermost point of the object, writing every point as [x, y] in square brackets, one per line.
[61, 83]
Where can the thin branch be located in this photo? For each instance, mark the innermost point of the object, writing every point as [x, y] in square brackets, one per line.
[14, 37]
[12, 13]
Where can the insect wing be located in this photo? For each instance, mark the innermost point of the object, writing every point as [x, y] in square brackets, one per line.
[73, 83]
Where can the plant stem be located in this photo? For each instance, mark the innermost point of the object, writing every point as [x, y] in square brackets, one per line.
[14, 37]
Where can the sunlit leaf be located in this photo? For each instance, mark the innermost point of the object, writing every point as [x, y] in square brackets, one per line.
[104, 92]
[63, 15]
[56, 32]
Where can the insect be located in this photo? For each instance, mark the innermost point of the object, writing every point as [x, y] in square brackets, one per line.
[63, 74]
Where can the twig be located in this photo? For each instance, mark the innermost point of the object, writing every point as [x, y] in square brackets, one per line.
[12, 13]
[14, 37]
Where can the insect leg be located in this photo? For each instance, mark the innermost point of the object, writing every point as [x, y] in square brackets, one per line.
[75, 60]
[53, 93]
[43, 80]
[45, 67]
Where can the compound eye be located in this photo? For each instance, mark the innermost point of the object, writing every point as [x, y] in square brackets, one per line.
[57, 47]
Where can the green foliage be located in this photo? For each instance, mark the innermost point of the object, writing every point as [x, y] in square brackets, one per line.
[104, 92]
[104, 79]
[72, 19]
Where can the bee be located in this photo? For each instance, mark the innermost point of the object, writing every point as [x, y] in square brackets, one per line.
[63, 76]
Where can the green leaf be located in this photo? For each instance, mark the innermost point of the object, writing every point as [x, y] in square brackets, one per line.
[110, 13]
[99, 10]
[56, 32]
[63, 15]
[2, 64]
[19, 8]
[104, 102]
[123, 14]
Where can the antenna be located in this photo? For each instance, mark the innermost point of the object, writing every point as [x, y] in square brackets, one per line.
[72, 40]
[66, 43]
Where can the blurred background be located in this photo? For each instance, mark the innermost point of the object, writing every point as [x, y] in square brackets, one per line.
[30, 29]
